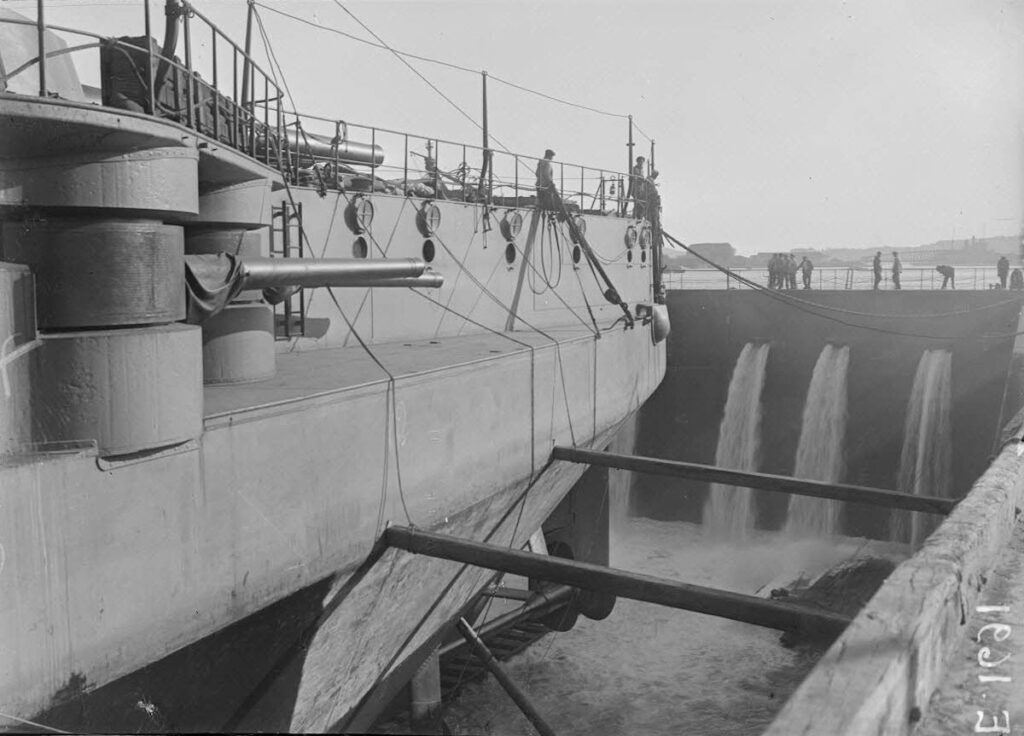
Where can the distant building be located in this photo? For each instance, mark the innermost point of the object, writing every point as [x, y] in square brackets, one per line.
[721, 253]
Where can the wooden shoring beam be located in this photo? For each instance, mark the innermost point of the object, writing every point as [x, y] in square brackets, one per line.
[518, 696]
[758, 481]
[723, 603]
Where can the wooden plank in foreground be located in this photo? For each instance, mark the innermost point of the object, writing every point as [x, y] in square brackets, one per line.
[879, 676]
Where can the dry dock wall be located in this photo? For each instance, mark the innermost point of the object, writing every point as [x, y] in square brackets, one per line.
[887, 332]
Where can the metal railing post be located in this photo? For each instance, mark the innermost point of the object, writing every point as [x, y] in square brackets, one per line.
[190, 89]
[516, 160]
[234, 97]
[150, 92]
[41, 39]
[216, 88]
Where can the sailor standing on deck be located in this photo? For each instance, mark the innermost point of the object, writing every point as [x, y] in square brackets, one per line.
[636, 189]
[806, 267]
[876, 266]
[1003, 270]
[547, 194]
[897, 269]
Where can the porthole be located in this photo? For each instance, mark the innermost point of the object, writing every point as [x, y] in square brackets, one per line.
[510, 253]
[360, 248]
[629, 255]
[428, 250]
[630, 236]
[643, 256]
[360, 214]
[645, 237]
[429, 218]
[511, 225]
[577, 254]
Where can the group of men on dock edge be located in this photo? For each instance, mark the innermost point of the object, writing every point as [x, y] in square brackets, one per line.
[783, 268]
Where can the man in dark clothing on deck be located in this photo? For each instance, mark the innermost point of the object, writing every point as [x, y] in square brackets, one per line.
[1003, 270]
[547, 194]
[876, 266]
[897, 269]
[636, 189]
[806, 267]
[948, 276]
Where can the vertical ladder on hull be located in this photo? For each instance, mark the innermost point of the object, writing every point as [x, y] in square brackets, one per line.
[286, 241]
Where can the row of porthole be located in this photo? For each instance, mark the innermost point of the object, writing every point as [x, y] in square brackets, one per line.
[429, 219]
[361, 249]
[644, 237]
[359, 216]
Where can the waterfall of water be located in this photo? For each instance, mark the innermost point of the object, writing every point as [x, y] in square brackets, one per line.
[926, 462]
[819, 454]
[728, 511]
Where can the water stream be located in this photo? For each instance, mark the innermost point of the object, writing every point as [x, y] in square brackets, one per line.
[820, 452]
[926, 461]
[729, 511]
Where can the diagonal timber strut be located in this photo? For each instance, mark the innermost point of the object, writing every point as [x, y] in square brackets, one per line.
[758, 481]
[725, 604]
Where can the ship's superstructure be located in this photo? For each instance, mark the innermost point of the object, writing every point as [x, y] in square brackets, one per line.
[188, 435]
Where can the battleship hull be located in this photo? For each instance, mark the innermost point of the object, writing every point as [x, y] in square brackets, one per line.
[162, 481]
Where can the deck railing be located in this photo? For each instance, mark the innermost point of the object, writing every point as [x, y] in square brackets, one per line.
[835, 278]
[229, 97]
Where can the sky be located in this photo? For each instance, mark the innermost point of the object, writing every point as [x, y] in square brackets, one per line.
[778, 123]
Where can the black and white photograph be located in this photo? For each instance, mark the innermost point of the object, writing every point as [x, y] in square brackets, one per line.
[537, 367]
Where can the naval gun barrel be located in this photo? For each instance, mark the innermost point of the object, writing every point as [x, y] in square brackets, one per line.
[264, 273]
[323, 148]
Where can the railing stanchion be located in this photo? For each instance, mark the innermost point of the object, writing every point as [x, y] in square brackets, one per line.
[516, 158]
[266, 120]
[234, 96]
[151, 93]
[41, 39]
[405, 167]
[190, 99]
[216, 87]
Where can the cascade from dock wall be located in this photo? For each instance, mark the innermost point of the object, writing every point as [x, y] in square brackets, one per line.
[926, 460]
[729, 510]
[820, 453]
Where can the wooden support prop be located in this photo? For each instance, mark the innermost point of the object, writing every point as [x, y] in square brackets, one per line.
[480, 650]
[726, 604]
[759, 481]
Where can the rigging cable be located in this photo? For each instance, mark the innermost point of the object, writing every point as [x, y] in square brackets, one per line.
[391, 411]
[419, 74]
[450, 65]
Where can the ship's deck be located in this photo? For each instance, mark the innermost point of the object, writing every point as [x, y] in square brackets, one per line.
[304, 375]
